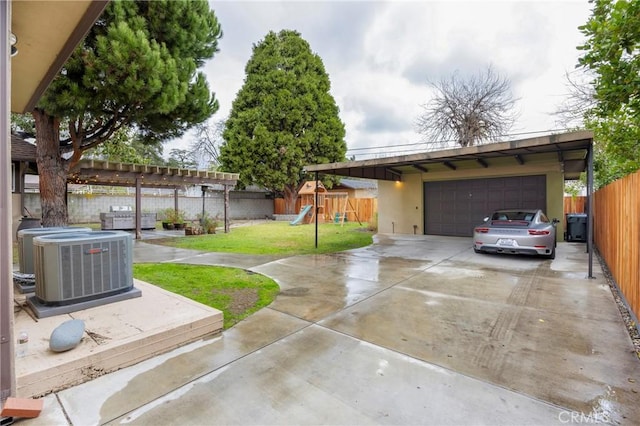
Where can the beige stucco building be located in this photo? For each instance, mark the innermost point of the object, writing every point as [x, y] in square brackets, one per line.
[447, 192]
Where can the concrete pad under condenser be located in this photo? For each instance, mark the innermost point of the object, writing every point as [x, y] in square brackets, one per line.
[116, 335]
[43, 310]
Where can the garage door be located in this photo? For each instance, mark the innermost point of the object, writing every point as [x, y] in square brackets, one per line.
[455, 207]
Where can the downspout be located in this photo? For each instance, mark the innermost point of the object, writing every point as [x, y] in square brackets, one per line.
[7, 363]
[20, 182]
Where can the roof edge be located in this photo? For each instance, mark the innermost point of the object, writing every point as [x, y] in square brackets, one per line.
[553, 139]
[93, 12]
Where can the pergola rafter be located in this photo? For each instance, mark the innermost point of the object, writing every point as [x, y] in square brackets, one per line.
[107, 173]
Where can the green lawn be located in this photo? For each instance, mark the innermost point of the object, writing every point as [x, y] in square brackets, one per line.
[278, 238]
[236, 292]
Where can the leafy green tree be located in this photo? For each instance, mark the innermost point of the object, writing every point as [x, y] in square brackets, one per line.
[612, 51]
[136, 68]
[616, 147]
[612, 55]
[282, 118]
[181, 158]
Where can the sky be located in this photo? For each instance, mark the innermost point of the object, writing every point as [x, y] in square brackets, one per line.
[381, 56]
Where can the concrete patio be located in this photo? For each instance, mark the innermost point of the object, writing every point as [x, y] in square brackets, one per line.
[411, 330]
[116, 335]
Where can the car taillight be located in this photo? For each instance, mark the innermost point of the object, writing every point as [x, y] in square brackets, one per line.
[482, 230]
[537, 232]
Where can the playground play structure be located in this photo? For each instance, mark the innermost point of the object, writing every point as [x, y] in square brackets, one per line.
[332, 206]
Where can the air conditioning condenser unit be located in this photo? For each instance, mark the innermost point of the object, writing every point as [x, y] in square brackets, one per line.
[25, 243]
[75, 271]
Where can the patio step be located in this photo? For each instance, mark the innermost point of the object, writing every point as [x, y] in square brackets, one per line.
[116, 335]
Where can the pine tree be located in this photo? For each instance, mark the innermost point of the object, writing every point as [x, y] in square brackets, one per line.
[136, 68]
[283, 118]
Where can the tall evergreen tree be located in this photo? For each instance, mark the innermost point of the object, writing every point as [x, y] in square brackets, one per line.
[136, 68]
[282, 118]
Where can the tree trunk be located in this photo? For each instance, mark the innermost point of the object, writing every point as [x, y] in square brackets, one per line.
[290, 198]
[52, 169]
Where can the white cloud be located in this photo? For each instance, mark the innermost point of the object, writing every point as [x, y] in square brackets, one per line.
[380, 55]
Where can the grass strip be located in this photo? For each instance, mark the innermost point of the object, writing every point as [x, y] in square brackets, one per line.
[236, 292]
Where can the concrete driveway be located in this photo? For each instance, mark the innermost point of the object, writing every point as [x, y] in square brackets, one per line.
[411, 330]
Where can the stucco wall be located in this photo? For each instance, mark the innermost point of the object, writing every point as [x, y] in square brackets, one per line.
[401, 204]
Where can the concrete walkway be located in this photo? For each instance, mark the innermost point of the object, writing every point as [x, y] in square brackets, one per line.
[411, 330]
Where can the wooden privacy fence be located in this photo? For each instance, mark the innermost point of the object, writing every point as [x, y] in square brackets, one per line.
[617, 234]
[575, 204]
[279, 208]
[365, 208]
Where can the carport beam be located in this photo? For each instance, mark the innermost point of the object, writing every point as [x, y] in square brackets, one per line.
[449, 165]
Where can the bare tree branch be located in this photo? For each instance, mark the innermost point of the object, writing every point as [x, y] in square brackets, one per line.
[206, 147]
[579, 102]
[470, 111]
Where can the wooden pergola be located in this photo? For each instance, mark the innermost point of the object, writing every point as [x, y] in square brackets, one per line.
[106, 173]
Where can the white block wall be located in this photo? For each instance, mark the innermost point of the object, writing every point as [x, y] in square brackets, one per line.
[86, 208]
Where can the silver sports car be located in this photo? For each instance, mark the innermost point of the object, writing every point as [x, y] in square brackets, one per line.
[517, 231]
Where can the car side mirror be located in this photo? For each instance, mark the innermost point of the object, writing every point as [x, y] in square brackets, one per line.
[555, 221]
[486, 219]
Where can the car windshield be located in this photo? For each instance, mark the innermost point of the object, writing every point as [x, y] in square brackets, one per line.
[513, 215]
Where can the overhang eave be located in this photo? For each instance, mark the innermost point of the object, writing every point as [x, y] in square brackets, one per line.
[570, 149]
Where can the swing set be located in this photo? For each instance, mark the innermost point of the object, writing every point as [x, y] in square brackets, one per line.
[332, 206]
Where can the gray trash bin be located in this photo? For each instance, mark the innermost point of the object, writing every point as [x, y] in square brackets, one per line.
[577, 227]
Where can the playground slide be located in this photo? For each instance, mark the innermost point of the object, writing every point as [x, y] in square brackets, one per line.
[303, 212]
